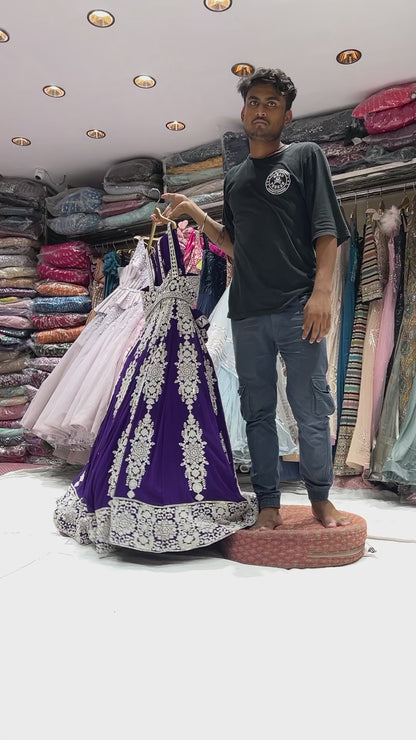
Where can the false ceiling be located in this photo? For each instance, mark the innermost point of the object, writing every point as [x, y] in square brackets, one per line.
[189, 50]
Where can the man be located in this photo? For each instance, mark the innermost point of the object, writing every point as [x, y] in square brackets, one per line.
[282, 226]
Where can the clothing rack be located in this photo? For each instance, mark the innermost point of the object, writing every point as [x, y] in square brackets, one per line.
[356, 194]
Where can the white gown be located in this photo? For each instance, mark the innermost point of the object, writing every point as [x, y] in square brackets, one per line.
[220, 347]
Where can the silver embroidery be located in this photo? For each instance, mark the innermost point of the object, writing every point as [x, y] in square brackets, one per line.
[118, 457]
[193, 454]
[139, 457]
[139, 526]
[224, 445]
[187, 374]
[211, 380]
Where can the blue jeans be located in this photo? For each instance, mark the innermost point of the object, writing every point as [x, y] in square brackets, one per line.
[257, 340]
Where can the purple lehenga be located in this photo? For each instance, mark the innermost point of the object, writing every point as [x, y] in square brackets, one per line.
[160, 477]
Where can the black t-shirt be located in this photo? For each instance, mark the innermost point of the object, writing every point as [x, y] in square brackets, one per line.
[274, 210]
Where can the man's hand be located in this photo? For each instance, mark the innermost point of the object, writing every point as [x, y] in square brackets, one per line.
[317, 316]
[179, 205]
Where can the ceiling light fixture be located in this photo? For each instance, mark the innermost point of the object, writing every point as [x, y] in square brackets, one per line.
[144, 81]
[4, 36]
[175, 126]
[101, 18]
[242, 69]
[95, 133]
[349, 56]
[21, 141]
[218, 6]
[54, 91]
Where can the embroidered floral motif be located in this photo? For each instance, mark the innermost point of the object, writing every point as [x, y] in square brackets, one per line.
[139, 456]
[139, 526]
[118, 457]
[211, 381]
[186, 326]
[155, 375]
[187, 376]
[194, 460]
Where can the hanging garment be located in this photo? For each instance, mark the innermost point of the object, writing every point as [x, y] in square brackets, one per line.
[401, 466]
[390, 224]
[160, 477]
[220, 347]
[111, 266]
[351, 388]
[388, 428]
[213, 279]
[408, 358]
[358, 457]
[192, 257]
[373, 279]
[70, 406]
[334, 336]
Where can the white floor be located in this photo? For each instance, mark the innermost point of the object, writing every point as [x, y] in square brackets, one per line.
[196, 647]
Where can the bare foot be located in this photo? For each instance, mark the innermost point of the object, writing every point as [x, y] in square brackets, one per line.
[269, 518]
[328, 515]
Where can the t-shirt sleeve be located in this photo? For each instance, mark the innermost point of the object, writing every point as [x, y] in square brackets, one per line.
[323, 209]
[227, 216]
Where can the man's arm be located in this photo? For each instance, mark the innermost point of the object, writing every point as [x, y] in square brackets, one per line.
[180, 205]
[317, 312]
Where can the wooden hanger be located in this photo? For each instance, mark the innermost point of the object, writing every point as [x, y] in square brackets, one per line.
[151, 238]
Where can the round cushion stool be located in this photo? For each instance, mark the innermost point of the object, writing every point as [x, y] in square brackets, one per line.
[301, 542]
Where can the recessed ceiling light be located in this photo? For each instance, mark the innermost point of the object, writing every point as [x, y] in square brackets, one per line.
[175, 126]
[21, 141]
[144, 81]
[218, 5]
[101, 18]
[95, 133]
[242, 69]
[54, 91]
[4, 36]
[349, 56]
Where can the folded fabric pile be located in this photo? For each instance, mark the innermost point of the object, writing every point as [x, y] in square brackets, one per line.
[380, 130]
[75, 211]
[196, 172]
[339, 134]
[22, 207]
[58, 315]
[17, 289]
[390, 120]
[128, 197]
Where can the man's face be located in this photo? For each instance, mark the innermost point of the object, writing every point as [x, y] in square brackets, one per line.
[264, 114]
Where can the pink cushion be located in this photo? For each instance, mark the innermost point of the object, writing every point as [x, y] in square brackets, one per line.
[301, 542]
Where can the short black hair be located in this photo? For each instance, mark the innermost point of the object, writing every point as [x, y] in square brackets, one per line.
[280, 81]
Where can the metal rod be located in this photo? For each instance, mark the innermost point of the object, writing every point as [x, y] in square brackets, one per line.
[380, 190]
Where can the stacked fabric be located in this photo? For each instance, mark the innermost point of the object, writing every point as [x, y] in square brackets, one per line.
[21, 208]
[17, 280]
[59, 310]
[380, 130]
[196, 172]
[128, 198]
[339, 134]
[75, 211]
[21, 224]
[390, 120]
[125, 201]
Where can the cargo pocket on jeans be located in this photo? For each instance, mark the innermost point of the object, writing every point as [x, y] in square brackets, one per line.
[244, 402]
[323, 402]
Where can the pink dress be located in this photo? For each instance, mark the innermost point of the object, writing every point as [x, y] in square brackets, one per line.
[390, 223]
[70, 405]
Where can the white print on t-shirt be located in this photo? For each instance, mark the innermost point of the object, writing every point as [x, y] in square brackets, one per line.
[278, 182]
